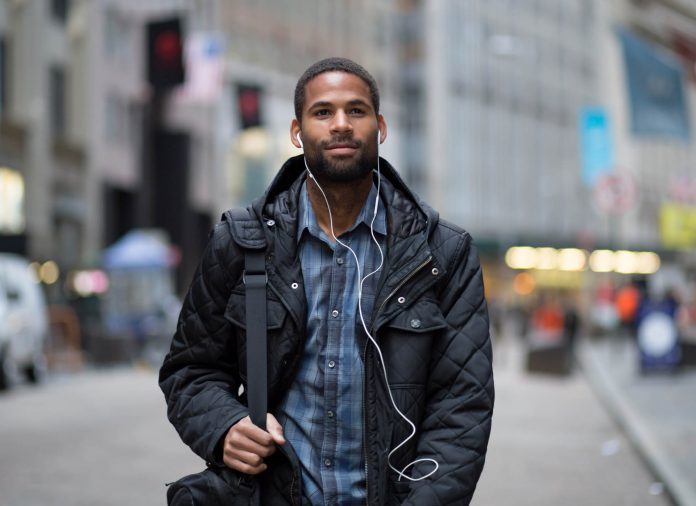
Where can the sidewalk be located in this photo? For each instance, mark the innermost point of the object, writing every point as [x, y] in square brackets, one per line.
[657, 410]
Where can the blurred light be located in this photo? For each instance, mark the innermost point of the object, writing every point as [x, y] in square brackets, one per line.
[576, 260]
[11, 201]
[86, 283]
[82, 283]
[625, 262]
[602, 260]
[520, 257]
[546, 259]
[254, 143]
[165, 67]
[523, 283]
[49, 272]
[35, 267]
[647, 262]
[572, 259]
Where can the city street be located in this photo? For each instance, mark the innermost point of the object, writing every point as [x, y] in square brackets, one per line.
[96, 438]
[102, 438]
[553, 443]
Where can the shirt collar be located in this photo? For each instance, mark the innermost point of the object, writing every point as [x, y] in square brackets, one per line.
[308, 220]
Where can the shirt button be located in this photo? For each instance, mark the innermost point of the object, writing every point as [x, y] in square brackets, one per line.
[339, 261]
[332, 364]
[334, 313]
[330, 414]
[327, 463]
[415, 324]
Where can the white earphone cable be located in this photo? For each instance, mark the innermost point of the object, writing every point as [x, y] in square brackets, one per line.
[401, 472]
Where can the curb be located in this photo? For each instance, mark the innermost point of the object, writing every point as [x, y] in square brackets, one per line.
[637, 430]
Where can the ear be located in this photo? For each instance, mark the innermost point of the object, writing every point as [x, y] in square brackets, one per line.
[294, 132]
[382, 125]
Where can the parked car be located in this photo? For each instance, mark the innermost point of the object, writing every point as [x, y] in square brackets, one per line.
[23, 322]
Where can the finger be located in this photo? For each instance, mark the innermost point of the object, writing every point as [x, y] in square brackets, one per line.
[248, 458]
[275, 429]
[247, 428]
[242, 443]
[243, 467]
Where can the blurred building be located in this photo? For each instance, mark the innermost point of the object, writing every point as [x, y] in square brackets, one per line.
[91, 147]
[499, 86]
[525, 124]
[42, 133]
[521, 120]
[648, 85]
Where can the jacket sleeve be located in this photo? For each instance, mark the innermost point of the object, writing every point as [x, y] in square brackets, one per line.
[199, 376]
[457, 421]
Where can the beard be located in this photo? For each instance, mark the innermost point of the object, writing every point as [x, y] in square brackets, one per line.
[341, 169]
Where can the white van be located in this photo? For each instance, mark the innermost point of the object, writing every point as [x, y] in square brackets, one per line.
[23, 322]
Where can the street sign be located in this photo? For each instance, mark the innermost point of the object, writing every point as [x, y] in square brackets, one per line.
[615, 193]
[596, 147]
[657, 341]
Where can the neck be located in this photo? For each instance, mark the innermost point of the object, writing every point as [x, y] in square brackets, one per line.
[345, 199]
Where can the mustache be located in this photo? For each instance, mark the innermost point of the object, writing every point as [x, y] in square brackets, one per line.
[348, 140]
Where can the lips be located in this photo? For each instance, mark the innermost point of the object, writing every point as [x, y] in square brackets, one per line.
[342, 148]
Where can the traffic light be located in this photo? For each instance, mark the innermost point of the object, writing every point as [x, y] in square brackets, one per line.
[249, 105]
[165, 66]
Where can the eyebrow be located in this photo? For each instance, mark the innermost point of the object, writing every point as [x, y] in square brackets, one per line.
[324, 103]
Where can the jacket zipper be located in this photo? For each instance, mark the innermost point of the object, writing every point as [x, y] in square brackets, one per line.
[393, 292]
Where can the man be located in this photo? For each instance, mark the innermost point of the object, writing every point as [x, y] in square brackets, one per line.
[380, 386]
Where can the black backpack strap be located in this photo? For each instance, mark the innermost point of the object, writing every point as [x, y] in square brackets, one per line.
[247, 233]
[255, 281]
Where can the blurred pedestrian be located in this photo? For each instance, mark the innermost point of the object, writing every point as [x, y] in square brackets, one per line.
[686, 325]
[547, 320]
[571, 321]
[380, 378]
[628, 300]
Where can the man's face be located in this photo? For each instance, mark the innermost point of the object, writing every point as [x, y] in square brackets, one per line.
[339, 127]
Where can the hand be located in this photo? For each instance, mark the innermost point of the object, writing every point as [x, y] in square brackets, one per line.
[246, 445]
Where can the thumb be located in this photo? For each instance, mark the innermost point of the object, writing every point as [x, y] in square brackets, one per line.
[275, 429]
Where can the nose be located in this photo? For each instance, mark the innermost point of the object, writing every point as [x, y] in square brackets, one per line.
[341, 122]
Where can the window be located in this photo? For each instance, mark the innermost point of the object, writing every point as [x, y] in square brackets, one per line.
[58, 99]
[4, 77]
[118, 36]
[60, 9]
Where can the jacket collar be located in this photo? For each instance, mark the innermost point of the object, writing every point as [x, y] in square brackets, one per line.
[407, 215]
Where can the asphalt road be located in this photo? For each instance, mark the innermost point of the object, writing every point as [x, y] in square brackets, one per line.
[102, 438]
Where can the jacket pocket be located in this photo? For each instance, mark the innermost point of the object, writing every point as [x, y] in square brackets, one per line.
[406, 342]
[235, 313]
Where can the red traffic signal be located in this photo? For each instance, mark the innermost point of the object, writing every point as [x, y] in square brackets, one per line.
[165, 66]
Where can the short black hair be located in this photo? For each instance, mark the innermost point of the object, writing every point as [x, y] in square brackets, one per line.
[334, 64]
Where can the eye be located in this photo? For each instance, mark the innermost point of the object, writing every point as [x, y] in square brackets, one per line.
[322, 112]
[355, 111]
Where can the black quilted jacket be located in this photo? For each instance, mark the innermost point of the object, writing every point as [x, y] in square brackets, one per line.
[430, 319]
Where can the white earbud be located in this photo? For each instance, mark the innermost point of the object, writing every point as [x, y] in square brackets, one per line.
[299, 140]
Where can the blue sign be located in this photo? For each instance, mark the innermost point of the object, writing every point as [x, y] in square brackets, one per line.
[596, 147]
[656, 90]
